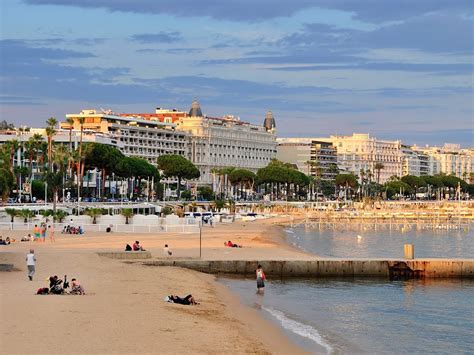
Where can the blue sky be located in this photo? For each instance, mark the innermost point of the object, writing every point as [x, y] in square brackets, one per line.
[396, 69]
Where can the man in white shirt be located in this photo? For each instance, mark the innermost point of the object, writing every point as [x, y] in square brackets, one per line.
[31, 263]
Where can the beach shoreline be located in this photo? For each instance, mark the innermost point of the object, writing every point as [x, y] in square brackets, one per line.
[132, 295]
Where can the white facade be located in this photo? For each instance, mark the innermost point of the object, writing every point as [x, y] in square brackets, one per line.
[138, 137]
[449, 159]
[360, 151]
[216, 143]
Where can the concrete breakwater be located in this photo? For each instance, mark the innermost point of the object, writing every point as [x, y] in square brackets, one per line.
[391, 269]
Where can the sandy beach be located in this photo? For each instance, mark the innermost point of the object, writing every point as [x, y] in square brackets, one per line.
[124, 310]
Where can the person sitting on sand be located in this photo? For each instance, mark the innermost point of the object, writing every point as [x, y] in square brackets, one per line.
[232, 245]
[55, 285]
[76, 288]
[128, 247]
[2, 242]
[188, 300]
[167, 251]
[137, 246]
[7, 241]
[26, 238]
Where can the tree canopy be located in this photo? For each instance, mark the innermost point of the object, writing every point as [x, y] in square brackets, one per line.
[413, 181]
[349, 180]
[179, 167]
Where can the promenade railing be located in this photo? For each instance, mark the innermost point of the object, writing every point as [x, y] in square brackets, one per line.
[117, 228]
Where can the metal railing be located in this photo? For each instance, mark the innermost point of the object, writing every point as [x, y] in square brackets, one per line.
[118, 228]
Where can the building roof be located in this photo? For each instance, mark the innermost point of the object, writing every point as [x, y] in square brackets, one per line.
[269, 122]
[195, 110]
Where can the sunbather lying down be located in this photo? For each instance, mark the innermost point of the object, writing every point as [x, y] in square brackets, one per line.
[188, 300]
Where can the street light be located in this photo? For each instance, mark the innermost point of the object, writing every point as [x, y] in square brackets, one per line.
[200, 238]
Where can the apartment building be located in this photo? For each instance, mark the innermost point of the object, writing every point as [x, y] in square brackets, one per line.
[311, 156]
[415, 162]
[449, 159]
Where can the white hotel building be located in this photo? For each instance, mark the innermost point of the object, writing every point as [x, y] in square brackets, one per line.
[216, 143]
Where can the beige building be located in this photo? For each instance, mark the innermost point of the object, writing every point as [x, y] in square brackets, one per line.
[216, 143]
[449, 159]
[312, 156]
[137, 136]
[362, 152]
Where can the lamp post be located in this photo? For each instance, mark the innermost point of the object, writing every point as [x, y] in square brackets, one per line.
[78, 193]
[200, 238]
[113, 186]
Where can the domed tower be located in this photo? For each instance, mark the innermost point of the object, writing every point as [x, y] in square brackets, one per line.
[195, 109]
[269, 122]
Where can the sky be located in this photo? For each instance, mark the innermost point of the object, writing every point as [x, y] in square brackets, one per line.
[395, 69]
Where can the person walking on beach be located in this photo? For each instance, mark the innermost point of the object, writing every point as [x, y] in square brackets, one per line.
[260, 279]
[51, 232]
[31, 263]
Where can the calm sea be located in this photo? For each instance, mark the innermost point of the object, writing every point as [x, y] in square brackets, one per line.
[372, 316]
[368, 316]
[384, 243]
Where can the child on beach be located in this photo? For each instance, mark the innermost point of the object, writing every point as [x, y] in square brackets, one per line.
[260, 279]
[76, 288]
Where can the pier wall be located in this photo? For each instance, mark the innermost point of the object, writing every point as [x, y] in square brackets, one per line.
[393, 269]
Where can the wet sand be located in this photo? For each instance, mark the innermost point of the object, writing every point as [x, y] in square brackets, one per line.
[124, 310]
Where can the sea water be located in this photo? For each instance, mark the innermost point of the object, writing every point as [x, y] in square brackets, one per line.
[383, 243]
[370, 315]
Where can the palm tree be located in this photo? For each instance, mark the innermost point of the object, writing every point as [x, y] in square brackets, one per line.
[55, 176]
[46, 213]
[80, 171]
[127, 213]
[70, 122]
[94, 213]
[7, 179]
[26, 214]
[60, 215]
[50, 132]
[12, 213]
[378, 167]
[13, 146]
[33, 146]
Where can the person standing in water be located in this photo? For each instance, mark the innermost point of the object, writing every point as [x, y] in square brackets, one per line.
[260, 278]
